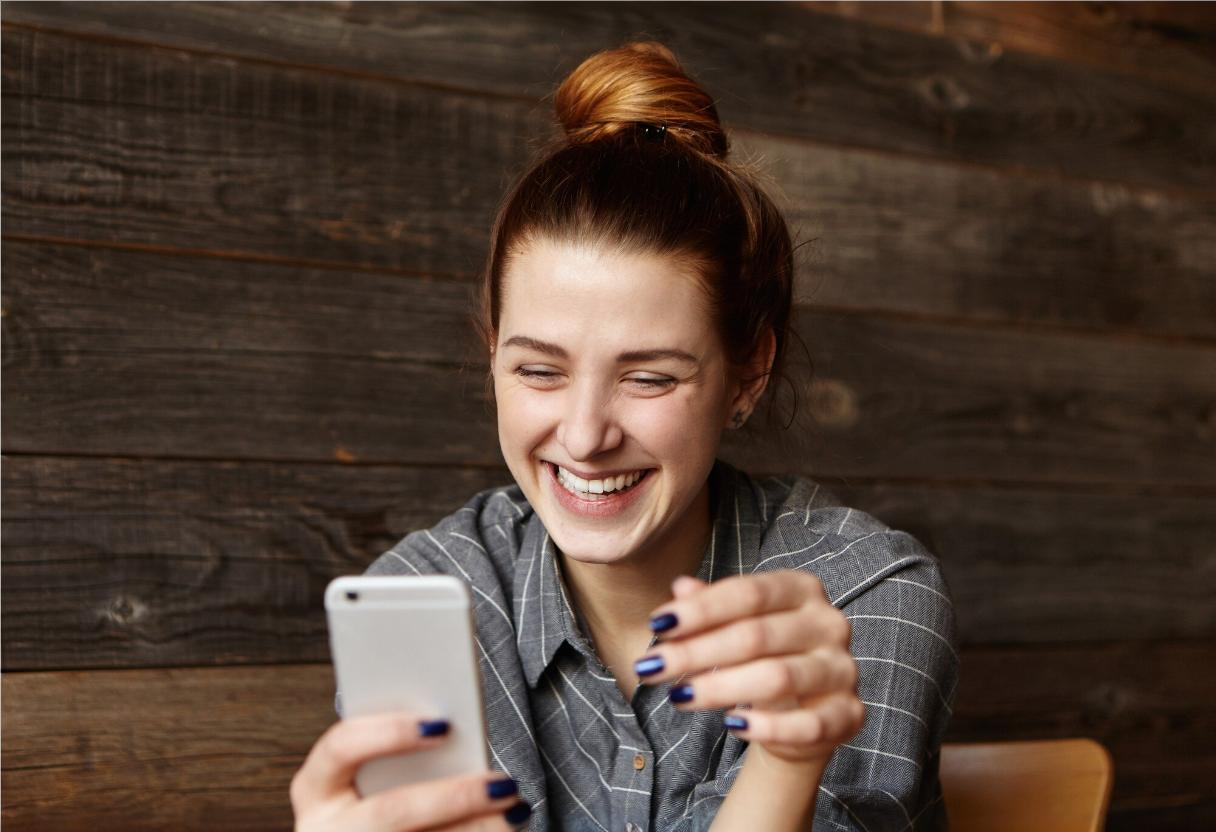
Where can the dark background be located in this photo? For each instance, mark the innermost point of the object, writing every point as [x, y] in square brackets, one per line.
[238, 246]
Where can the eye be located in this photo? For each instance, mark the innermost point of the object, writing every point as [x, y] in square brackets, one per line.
[652, 382]
[538, 376]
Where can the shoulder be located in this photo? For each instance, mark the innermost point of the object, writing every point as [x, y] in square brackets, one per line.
[481, 536]
[806, 526]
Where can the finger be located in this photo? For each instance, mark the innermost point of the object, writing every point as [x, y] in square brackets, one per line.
[444, 801]
[738, 596]
[829, 720]
[496, 821]
[769, 680]
[330, 766]
[686, 585]
[780, 633]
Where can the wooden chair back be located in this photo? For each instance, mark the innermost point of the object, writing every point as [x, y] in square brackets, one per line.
[1048, 785]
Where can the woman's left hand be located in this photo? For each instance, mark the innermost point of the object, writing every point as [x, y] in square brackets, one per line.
[772, 642]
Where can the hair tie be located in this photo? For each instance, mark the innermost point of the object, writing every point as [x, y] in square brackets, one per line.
[653, 131]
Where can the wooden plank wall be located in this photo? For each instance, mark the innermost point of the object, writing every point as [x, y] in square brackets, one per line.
[238, 245]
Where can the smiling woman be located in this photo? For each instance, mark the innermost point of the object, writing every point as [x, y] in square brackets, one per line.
[666, 642]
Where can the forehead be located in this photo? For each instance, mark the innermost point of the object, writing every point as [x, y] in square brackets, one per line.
[564, 290]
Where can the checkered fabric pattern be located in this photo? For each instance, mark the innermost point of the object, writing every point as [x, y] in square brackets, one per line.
[587, 759]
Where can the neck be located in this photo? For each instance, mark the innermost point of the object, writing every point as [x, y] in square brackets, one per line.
[616, 599]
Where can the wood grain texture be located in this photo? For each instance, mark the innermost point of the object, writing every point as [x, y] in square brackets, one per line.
[127, 563]
[160, 149]
[1170, 42]
[213, 358]
[903, 399]
[1047, 785]
[1149, 703]
[122, 563]
[77, 753]
[804, 74]
[159, 749]
[185, 362]
[1033, 565]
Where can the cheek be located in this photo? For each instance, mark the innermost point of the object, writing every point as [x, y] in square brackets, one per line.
[677, 423]
[524, 417]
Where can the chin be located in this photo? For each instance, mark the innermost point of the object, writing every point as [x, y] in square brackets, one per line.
[578, 547]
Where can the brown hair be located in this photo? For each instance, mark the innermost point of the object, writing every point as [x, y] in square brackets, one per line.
[642, 167]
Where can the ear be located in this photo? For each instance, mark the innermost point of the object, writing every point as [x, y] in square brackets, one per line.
[753, 379]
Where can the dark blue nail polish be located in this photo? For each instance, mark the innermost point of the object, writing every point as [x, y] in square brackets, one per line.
[433, 727]
[648, 666]
[681, 694]
[736, 722]
[502, 788]
[663, 622]
[518, 813]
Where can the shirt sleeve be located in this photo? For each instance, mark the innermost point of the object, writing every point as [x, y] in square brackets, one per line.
[905, 646]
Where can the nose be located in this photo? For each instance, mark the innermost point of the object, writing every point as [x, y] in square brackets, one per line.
[588, 426]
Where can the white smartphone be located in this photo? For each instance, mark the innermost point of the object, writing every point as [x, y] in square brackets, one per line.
[406, 643]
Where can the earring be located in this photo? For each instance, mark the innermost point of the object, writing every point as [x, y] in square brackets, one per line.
[737, 420]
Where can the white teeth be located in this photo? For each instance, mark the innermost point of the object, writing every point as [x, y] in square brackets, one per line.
[578, 485]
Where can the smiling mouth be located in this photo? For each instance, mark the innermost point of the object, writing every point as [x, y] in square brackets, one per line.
[598, 489]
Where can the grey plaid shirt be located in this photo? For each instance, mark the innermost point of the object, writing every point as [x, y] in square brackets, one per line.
[587, 759]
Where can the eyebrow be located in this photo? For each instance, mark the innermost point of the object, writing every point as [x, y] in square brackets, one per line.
[632, 355]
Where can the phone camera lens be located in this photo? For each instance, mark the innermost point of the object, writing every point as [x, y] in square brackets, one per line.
[352, 596]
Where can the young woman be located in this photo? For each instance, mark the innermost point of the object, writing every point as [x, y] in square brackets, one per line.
[665, 642]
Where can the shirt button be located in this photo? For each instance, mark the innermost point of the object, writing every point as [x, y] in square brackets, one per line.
[639, 763]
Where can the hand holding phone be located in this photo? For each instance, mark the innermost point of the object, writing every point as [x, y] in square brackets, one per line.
[410, 749]
[324, 798]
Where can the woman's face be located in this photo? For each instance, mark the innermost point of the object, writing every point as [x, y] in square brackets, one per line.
[613, 390]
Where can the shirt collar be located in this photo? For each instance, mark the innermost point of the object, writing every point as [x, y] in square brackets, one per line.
[544, 617]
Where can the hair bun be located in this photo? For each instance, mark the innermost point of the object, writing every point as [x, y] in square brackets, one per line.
[640, 83]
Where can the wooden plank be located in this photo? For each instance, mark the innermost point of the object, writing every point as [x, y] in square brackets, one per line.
[1149, 703]
[217, 747]
[126, 563]
[921, 16]
[161, 748]
[916, 400]
[162, 149]
[207, 358]
[1167, 41]
[378, 174]
[1047, 566]
[915, 238]
[884, 88]
[186, 366]
[123, 563]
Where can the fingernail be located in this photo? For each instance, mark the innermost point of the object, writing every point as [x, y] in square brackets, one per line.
[518, 813]
[663, 622]
[502, 788]
[736, 722]
[681, 694]
[433, 727]
[648, 666]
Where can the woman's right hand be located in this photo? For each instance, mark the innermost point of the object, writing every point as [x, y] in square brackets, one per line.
[324, 797]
